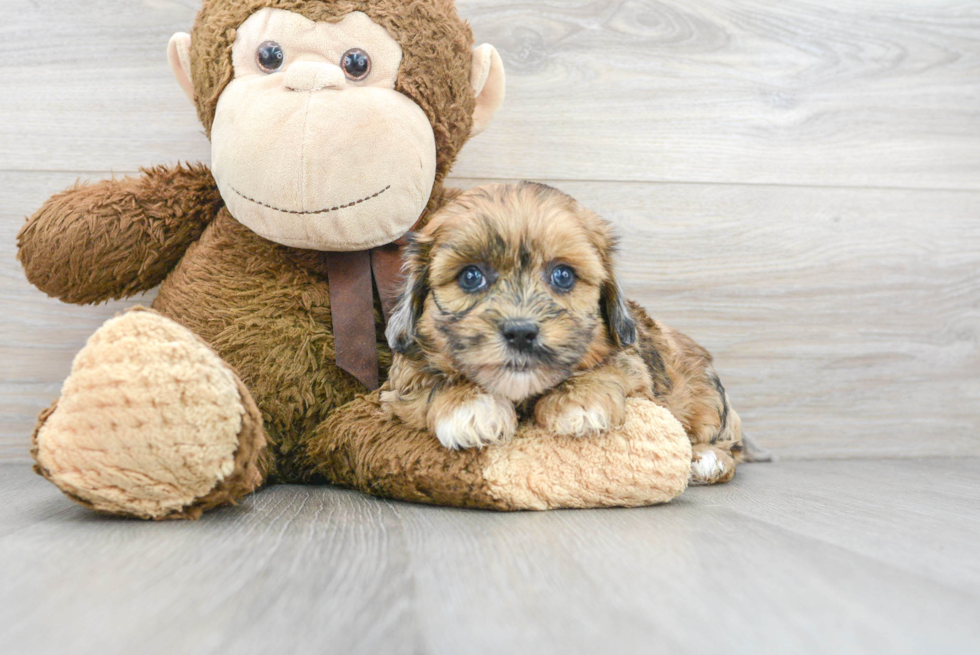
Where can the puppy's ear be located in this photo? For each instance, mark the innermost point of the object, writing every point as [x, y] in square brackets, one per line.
[615, 311]
[401, 326]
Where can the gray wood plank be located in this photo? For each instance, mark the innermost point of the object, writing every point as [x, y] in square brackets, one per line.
[294, 569]
[97, 87]
[844, 322]
[920, 515]
[869, 93]
[865, 93]
[166, 588]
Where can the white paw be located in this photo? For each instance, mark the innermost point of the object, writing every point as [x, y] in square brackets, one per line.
[580, 412]
[479, 422]
[578, 421]
[706, 467]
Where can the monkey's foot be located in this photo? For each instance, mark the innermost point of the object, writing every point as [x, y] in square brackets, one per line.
[151, 423]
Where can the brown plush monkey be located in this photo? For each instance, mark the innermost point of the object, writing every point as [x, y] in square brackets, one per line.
[333, 125]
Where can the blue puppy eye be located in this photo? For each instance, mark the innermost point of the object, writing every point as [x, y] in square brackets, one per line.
[471, 279]
[563, 278]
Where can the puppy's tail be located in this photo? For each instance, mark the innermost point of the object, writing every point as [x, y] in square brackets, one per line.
[753, 451]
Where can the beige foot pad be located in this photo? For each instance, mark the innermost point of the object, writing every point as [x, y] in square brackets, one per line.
[645, 462]
[149, 424]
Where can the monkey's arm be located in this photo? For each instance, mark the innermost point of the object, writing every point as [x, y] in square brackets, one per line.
[116, 238]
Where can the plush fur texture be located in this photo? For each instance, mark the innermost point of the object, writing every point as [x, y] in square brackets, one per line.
[117, 238]
[461, 372]
[264, 311]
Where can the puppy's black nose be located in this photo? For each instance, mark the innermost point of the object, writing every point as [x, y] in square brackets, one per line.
[520, 335]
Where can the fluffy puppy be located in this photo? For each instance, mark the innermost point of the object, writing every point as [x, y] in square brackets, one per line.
[511, 307]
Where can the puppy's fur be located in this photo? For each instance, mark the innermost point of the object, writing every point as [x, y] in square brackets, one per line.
[464, 371]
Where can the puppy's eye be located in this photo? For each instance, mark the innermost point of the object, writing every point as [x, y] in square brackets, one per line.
[471, 279]
[563, 278]
[356, 64]
[270, 56]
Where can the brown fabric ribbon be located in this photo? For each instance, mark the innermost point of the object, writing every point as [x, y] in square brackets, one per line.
[352, 305]
[386, 262]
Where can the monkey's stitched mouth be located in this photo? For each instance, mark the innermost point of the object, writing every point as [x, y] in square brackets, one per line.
[310, 213]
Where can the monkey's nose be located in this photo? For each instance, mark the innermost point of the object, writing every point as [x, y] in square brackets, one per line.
[313, 76]
[520, 335]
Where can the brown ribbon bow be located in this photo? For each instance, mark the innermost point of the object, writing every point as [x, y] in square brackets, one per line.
[352, 305]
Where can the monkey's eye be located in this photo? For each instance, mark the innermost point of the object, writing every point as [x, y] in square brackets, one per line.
[563, 278]
[356, 64]
[270, 56]
[471, 279]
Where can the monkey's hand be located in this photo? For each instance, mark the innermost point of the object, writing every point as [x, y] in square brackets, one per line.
[117, 238]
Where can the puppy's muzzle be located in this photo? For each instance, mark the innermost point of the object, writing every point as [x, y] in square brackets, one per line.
[521, 335]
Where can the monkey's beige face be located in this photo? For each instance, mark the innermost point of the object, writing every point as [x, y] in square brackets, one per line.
[312, 146]
[516, 286]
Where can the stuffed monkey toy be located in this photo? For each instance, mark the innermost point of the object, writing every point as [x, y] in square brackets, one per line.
[333, 124]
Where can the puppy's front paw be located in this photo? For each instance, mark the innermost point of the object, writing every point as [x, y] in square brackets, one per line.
[473, 422]
[581, 411]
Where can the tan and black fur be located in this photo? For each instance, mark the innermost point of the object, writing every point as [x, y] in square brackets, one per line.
[458, 373]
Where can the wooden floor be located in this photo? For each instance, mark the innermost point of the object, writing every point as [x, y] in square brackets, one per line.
[795, 557]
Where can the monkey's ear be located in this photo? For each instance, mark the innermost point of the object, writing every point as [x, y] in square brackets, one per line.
[619, 320]
[401, 326]
[179, 56]
[488, 80]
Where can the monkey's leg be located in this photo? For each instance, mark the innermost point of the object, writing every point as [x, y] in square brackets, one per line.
[644, 462]
[151, 423]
